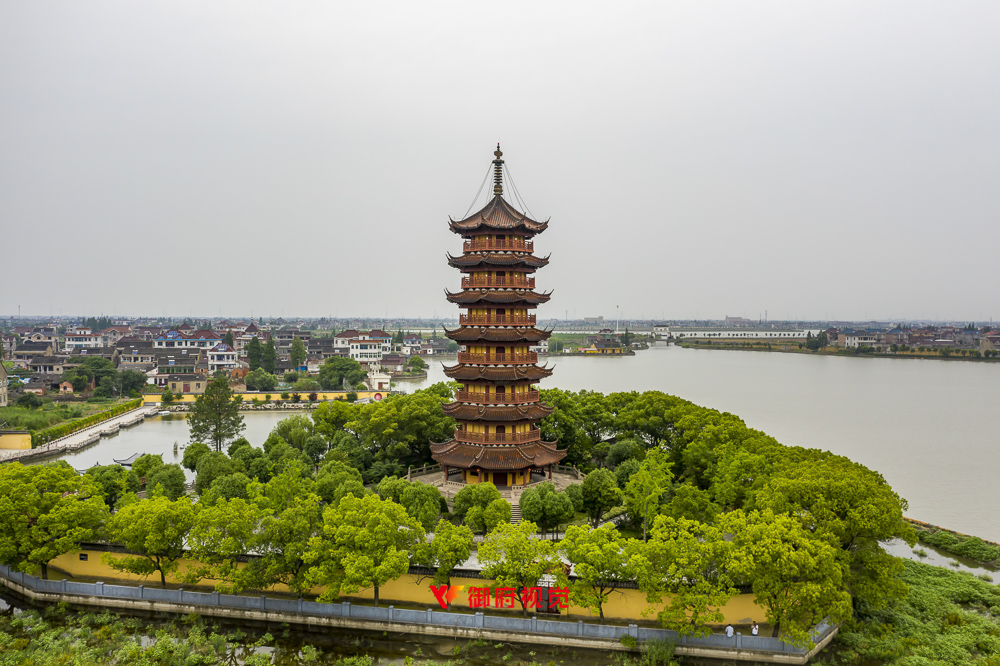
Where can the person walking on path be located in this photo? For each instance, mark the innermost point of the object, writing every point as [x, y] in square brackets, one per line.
[729, 631]
[753, 628]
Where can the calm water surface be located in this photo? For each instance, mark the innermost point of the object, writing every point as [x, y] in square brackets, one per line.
[930, 427]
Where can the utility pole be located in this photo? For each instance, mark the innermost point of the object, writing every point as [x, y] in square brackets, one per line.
[617, 317]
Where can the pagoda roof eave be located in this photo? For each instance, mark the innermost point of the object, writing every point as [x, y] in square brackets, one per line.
[484, 334]
[465, 456]
[498, 214]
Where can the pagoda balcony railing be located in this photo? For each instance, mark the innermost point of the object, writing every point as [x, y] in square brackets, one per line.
[496, 320]
[497, 398]
[508, 282]
[511, 244]
[498, 437]
[471, 357]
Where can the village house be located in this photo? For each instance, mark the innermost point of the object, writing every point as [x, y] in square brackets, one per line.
[854, 339]
[115, 333]
[222, 357]
[26, 351]
[366, 351]
[83, 338]
[393, 362]
[343, 339]
[180, 339]
[187, 383]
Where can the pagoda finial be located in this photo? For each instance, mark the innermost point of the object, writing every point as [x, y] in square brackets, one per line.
[498, 172]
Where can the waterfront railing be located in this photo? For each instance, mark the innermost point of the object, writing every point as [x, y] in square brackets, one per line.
[346, 609]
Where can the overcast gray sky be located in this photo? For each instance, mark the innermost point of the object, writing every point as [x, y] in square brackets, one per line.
[817, 160]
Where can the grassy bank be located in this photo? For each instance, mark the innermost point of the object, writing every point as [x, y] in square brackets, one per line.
[948, 618]
[50, 414]
[39, 437]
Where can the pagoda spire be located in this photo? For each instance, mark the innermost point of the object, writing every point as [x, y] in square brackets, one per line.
[498, 172]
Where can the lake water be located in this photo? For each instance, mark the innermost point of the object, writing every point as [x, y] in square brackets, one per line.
[930, 427]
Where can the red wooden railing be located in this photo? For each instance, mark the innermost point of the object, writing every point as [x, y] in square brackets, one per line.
[470, 357]
[510, 282]
[510, 244]
[496, 320]
[498, 438]
[497, 398]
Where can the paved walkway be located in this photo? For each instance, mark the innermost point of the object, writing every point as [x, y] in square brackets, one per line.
[81, 438]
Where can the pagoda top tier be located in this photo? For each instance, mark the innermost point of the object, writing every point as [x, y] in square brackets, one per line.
[497, 216]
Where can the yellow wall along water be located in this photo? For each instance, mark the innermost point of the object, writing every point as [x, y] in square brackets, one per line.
[411, 589]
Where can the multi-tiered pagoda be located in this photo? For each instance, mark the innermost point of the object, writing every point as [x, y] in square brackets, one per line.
[497, 438]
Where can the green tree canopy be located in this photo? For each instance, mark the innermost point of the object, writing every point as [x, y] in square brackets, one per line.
[544, 506]
[168, 480]
[798, 577]
[365, 542]
[193, 453]
[512, 557]
[297, 354]
[255, 353]
[600, 494]
[156, 530]
[603, 561]
[451, 546]
[686, 560]
[269, 357]
[45, 511]
[336, 369]
[260, 380]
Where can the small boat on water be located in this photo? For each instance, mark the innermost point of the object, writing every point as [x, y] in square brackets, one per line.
[163, 412]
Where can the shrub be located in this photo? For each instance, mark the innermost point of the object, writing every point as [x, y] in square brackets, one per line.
[55, 432]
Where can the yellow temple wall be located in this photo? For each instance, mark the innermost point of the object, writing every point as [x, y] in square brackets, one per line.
[412, 589]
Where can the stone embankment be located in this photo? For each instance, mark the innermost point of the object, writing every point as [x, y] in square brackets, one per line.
[81, 438]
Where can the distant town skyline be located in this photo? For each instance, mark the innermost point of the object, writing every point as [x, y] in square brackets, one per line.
[820, 162]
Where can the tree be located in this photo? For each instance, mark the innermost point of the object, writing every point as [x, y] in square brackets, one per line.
[115, 482]
[513, 558]
[646, 486]
[260, 380]
[155, 529]
[687, 561]
[132, 381]
[45, 511]
[451, 545]
[546, 507]
[854, 505]
[228, 339]
[215, 415]
[220, 538]
[293, 515]
[485, 519]
[166, 398]
[192, 454]
[145, 464]
[212, 466]
[600, 493]
[336, 370]
[416, 363]
[479, 494]
[797, 577]
[269, 357]
[168, 479]
[297, 354]
[336, 480]
[365, 542]
[306, 384]
[255, 353]
[29, 401]
[603, 561]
